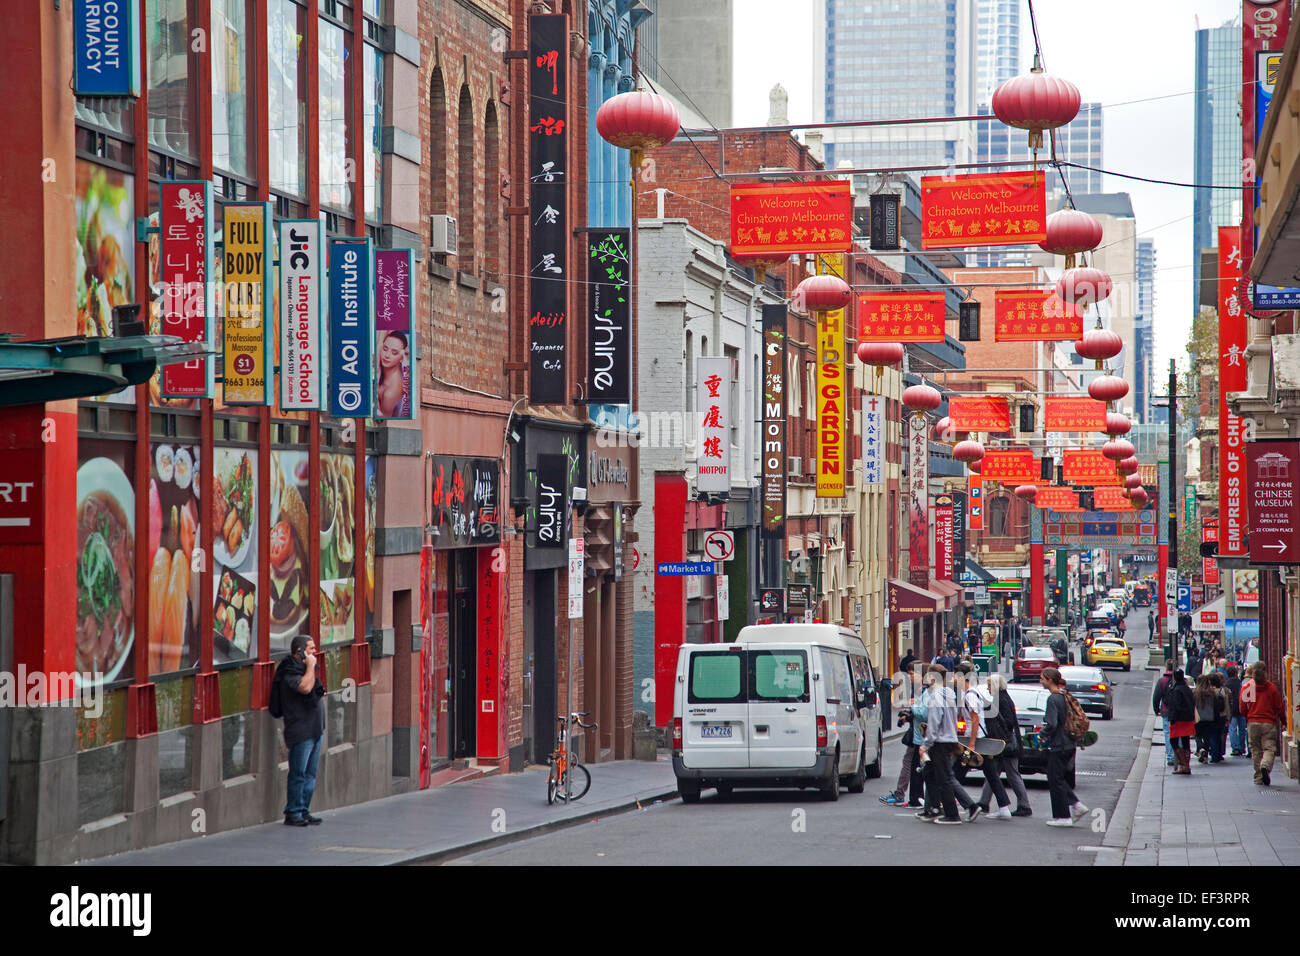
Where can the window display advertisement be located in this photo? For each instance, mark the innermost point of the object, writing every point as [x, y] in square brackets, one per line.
[234, 554]
[337, 547]
[175, 562]
[106, 583]
[105, 252]
[289, 559]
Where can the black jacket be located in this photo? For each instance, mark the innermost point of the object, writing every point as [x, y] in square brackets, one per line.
[304, 714]
[1005, 726]
[1158, 702]
[1054, 723]
[1233, 687]
[1181, 703]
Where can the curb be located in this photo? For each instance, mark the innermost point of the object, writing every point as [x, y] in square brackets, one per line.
[1120, 830]
[527, 833]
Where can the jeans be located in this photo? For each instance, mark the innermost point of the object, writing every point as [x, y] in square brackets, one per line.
[1060, 767]
[904, 775]
[1237, 734]
[1169, 744]
[304, 757]
[1016, 782]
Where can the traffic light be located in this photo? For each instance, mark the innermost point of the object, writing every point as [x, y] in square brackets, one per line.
[1056, 595]
[1006, 607]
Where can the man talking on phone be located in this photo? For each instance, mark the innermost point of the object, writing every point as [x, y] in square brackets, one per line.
[299, 696]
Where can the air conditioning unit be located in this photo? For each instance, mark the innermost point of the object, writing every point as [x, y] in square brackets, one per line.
[794, 467]
[444, 235]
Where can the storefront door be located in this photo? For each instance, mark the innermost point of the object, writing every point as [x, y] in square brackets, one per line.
[463, 641]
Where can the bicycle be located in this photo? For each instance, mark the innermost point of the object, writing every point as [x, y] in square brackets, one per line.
[567, 779]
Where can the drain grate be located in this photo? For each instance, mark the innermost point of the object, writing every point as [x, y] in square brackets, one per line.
[1091, 773]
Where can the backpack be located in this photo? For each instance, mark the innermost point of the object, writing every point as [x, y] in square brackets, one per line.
[1076, 721]
[274, 705]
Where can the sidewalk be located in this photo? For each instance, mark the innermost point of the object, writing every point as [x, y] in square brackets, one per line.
[423, 826]
[1215, 817]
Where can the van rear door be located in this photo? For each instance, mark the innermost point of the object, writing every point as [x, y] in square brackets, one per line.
[714, 717]
[782, 722]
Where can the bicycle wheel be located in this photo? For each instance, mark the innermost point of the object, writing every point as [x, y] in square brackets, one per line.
[580, 780]
[552, 784]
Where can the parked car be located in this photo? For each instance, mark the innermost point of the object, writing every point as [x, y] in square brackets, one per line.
[1090, 688]
[1112, 651]
[1141, 596]
[1029, 663]
[786, 705]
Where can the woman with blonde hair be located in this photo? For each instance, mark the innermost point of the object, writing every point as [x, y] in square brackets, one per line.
[1006, 727]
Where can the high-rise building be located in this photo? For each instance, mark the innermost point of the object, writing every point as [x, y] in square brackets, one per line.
[1143, 346]
[997, 52]
[685, 50]
[877, 62]
[1216, 132]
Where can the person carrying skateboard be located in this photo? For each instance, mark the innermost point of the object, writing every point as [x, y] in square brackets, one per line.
[1066, 806]
[937, 747]
[974, 706]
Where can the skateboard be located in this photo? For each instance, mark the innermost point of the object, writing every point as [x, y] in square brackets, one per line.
[1035, 742]
[984, 747]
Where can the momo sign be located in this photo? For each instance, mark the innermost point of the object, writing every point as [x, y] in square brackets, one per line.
[997, 209]
[774, 406]
[786, 218]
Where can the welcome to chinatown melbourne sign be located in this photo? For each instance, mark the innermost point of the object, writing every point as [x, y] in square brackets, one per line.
[786, 218]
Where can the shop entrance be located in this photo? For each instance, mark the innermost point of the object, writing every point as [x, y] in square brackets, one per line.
[540, 667]
[462, 646]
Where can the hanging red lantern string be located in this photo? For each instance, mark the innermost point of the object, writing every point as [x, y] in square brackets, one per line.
[1118, 449]
[822, 293]
[1133, 481]
[922, 398]
[881, 355]
[1083, 286]
[1139, 496]
[1035, 101]
[1099, 344]
[970, 452]
[637, 121]
[760, 263]
[1116, 425]
[1027, 492]
[1108, 388]
[1069, 232]
[1127, 466]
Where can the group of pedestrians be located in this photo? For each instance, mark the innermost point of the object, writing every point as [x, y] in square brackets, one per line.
[1222, 710]
[930, 715]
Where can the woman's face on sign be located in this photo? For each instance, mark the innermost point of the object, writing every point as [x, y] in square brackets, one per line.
[392, 353]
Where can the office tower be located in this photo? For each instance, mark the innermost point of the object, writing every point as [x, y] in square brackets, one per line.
[1216, 132]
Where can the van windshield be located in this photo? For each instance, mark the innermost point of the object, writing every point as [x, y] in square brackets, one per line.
[779, 675]
[716, 678]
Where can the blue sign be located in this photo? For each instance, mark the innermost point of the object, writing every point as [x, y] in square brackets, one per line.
[1273, 297]
[352, 328]
[106, 37]
[1185, 598]
[682, 569]
[1241, 628]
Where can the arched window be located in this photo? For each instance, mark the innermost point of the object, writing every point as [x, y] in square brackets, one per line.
[437, 160]
[1000, 516]
[491, 193]
[465, 181]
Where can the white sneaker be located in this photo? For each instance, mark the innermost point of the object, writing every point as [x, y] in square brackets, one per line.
[1001, 813]
[1077, 811]
[1063, 822]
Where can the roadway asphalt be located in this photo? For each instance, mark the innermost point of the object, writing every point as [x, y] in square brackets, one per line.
[795, 827]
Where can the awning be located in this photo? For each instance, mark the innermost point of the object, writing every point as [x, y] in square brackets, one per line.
[908, 602]
[48, 370]
[952, 593]
[1209, 617]
[975, 573]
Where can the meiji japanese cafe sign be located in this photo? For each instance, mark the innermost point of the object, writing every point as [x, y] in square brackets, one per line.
[302, 270]
[351, 321]
[394, 337]
[185, 270]
[713, 411]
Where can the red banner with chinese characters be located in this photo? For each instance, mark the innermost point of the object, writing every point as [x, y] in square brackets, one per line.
[185, 269]
[975, 503]
[900, 317]
[1264, 28]
[990, 209]
[1210, 566]
[979, 414]
[943, 540]
[1019, 466]
[1232, 378]
[1088, 467]
[1057, 498]
[918, 511]
[1110, 498]
[786, 218]
[1074, 415]
[1031, 315]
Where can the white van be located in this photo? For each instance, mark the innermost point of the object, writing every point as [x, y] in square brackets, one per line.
[786, 705]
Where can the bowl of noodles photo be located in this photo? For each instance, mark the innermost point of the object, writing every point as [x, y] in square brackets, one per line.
[105, 569]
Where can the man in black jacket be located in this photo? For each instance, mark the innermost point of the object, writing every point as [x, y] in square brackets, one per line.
[302, 700]
[1066, 807]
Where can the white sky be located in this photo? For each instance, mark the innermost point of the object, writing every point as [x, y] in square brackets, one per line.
[1115, 51]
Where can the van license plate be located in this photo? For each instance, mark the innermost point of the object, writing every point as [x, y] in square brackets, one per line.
[715, 730]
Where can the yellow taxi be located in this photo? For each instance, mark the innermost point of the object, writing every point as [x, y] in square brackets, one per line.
[1107, 650]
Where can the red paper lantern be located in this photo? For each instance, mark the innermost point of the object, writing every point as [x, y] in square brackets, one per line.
[1118, 449]
[824, 293]
[974, 466]
[942, 431]
[1099, 344]
[1128, 466]
[922, 398]
[968, 451]
[1133, 481]
[1083, 286]
[1070, 231]
[1108, 388]
[1027, 492]
[1116, 424]
[1139, 496]
[1036, 101]
[638, 120]
[880, 354]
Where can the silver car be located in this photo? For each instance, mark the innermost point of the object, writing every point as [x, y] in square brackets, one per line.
[1092, 690]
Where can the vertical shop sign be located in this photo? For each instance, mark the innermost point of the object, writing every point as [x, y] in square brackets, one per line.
[551, 502]
[873, 439]
[943, 538]
[577, 573]
[106, 39]
[774, 463]
[301, 273]
[185, 269]
[958, 534]
[1272, 475]
[975, 503]
[609, 321]
[351, 321]
[490, 649]
[548, 137]
[830, 397]
[1232, 378]
[394, 335]
[1210, 566]
[918, 512]
[1264, 26]
[713, 435]
[246, 272]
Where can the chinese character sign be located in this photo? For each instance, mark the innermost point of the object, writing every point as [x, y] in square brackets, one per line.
[185, 272]
[1014, 466]
[1088, 467]
[979, 414]
[713, 421]
[900, 317]
[785, 218]
[830, 404]
[1110, 498]
[246, 341]
[1056, 498]
[1232, 378]
[918, 515]
[992, 209]
[774, 406]
[873, 440]
[1074, 415]
[548, 242]
[1021, 315]
[1210, 566]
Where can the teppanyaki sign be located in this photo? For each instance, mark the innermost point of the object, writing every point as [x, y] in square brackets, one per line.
[995, 209]
[786, 218]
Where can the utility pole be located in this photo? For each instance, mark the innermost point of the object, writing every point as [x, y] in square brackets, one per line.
[1172, 504]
